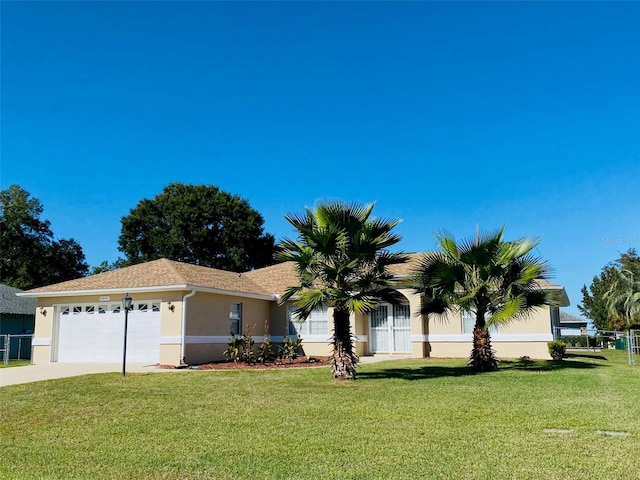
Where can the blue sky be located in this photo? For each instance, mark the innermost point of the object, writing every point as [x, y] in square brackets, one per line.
[447, 114]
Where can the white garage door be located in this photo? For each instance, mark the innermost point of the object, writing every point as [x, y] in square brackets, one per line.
[94, 333]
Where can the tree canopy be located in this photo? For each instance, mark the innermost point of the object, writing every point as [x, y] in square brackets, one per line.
[31, 257]
[342, 262]
[198, 224]
[614, 279]
[494, 280]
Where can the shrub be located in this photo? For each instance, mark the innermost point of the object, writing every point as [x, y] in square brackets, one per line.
[242, 348]
[265, 352]
[557, 349]
[234, 350]
[291, 348]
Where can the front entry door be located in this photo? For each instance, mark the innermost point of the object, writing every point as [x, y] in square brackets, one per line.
[390, 329]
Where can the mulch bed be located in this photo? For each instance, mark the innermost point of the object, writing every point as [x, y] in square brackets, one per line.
[300, 362]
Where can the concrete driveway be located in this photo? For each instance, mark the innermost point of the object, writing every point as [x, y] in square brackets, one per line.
[36, 373]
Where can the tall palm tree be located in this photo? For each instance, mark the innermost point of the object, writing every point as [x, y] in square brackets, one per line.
[342, 262]
[623, 297]
[493, 280]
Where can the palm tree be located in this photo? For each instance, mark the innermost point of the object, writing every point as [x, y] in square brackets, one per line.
[623, 297]
[342, 262]
[495, 281]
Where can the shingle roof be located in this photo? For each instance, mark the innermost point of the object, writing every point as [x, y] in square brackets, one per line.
[10, 303]
[274, 279]
[568, 318]
[159, 273]
[267, 281]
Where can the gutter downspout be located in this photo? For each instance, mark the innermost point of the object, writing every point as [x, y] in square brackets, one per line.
[184, 324]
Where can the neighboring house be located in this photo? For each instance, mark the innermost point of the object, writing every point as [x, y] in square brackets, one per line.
[17, 317]
[186, 313]
[570, 325]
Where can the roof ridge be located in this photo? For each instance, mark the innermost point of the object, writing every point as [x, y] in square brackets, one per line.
[173, 265]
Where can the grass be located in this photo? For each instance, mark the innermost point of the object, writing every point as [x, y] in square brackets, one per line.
[401, 419]
[14, 363]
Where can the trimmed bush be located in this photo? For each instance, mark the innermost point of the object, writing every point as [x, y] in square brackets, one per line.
[557, 349]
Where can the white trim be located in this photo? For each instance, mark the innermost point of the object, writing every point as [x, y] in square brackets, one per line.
[316, 338]
[40, 342]
[522, 337]
[191, 339]
[170, 340]
[183, 332]
[498, 337]
[463, 337]
[419, 338]
[165, 288]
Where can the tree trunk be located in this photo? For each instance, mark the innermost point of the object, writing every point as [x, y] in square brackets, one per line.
[483, 357]
[344, 359]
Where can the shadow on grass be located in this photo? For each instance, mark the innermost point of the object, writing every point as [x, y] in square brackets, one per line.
[585, 355]
[424, 372]
[418, 373]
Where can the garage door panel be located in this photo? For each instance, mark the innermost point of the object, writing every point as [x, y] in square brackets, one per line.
[95, 333]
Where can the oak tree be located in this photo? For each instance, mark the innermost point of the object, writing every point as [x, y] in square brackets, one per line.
[31, 256]
[198, 224]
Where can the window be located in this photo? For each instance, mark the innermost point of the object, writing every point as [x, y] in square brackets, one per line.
[469, 321]
[77, 310]
[155, 307]
[316, 324]
[235, 316]
[90, 309]
[64, 310]
[142, 307]
[101, 309]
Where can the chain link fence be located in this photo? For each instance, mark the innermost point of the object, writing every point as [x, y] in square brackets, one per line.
[621, 346]
[15, 347]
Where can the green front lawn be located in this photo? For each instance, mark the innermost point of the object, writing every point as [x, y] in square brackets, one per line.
[401, 419]
[15, 363]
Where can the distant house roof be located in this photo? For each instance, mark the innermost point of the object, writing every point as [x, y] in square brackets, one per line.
[163, 274]
[568, 319]
[12, 304]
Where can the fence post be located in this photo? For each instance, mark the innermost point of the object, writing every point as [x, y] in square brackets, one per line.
[5, 349]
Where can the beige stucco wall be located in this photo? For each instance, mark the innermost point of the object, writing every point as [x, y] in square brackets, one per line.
[208, 320]
[170, 354]
[208, 316]
[538, 322]
[528, 336]
[46, 326]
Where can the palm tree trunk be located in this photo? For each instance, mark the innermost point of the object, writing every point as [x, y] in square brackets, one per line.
[344, 359]
[483, 358]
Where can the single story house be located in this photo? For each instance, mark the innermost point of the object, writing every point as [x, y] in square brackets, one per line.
[17, 317]
[570, 325]
[186, 313]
